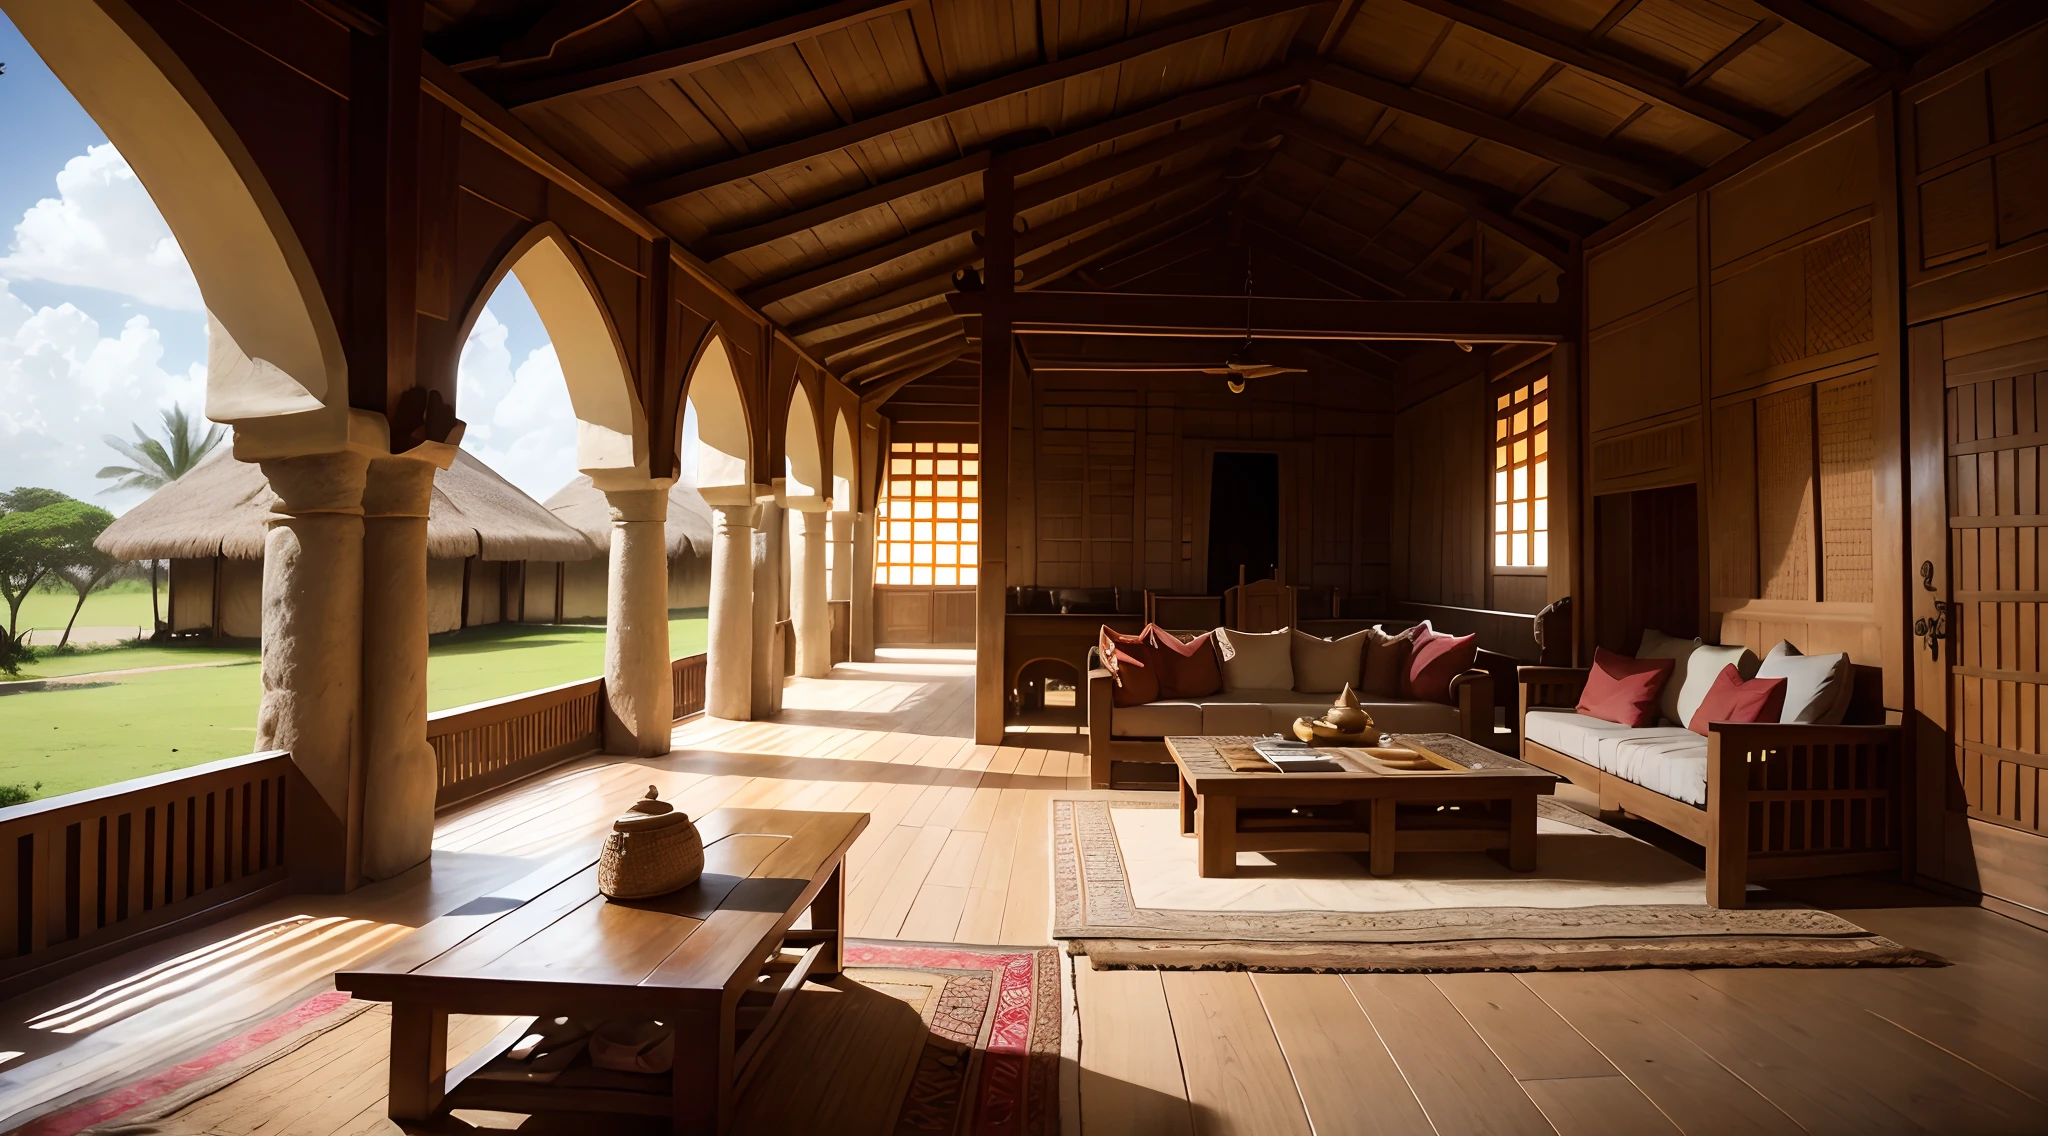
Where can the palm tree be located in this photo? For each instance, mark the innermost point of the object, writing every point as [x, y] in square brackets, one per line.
[160, 462]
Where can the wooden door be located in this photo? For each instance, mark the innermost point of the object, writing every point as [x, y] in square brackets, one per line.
[1979, 418]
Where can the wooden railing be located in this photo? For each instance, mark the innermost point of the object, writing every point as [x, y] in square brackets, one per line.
[487, 744]
[686, 675]
[87, 874]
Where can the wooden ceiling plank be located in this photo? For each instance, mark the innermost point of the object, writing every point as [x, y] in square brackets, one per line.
[1614, 15]
[1116, 205]
[1421, 177]
[1038, 193]
[1049, 29]
[925, 288]
[1277, 317]
[724, 244]
[1340, 22]
[1524, 29]
[1836, 30]
[1084, 252]
[880, 391]
[1458, 235]
[692, 57]
[876, 334]
[858, 262]
[1167, 253]
[1003, 86]
[899, 347]
[1722, 58]
[1329, 270]
[1458, 116]
[949, 345]
[924, 24]
[559, 23]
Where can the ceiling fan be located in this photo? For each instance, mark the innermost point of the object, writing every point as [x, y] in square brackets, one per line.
[1244, 363]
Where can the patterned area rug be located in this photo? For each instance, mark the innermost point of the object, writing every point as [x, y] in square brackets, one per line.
[991, 1061]
[986, 1062]
[1126, 894]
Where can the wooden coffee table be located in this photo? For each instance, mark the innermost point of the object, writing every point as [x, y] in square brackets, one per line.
[714, 960]
[1485, 802]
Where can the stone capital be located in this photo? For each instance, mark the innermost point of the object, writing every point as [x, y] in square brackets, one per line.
[638, 504]
[399, 486]
[318, 483]
[733, 516]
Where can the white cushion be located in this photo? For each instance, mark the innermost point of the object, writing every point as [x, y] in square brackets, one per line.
[1669, 760]
[1817, 687]
[1663, 759]
[1571, 734]
[1693, 674]
[1156, 720]
[1325, 666]
[1657, 645]
[1256, 660]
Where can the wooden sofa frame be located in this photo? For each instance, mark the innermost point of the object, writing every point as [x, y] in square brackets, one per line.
[1783, 801]
[1472, 690]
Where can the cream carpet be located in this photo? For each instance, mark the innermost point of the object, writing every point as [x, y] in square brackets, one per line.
[1126, 893]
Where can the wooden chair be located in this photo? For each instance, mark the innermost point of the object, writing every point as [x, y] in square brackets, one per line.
[1260, 606]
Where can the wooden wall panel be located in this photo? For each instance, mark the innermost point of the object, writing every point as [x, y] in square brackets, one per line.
[1785, 494]
[1846, 415]
[1645, 365]
[1652, 265]
[1731, 503]
[1795, 309]
[1974, 151]
[1832, 175]
[1442, 546]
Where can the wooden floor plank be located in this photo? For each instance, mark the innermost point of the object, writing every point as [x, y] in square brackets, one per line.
[1463, 1087]
[1237, 1078]
[1348, 1081]
[1532, 1041]
[1685, 1083]
[1130, 1066]
[1597, 1106]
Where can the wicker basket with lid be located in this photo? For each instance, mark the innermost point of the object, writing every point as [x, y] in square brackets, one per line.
[651, 850]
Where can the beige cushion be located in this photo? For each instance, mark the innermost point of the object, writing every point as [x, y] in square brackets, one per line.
[1326, 666]
[1817, 687]
[1380, 663]
[1255, 661]
[1669, 760]
[1156, 719]
[1657, 645]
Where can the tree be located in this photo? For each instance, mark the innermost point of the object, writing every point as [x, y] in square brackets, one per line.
[38, 533]
[157, 463]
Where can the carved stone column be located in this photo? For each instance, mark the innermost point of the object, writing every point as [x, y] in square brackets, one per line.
[312, 657]
[840, 567]
[399, 773]
[769, 551]
[639, 701]
[807, 608]
[729, 667]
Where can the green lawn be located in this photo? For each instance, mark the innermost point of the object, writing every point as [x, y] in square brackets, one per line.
[122, 604]
[76, 737]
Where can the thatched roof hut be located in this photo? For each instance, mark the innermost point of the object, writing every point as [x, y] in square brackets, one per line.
[493, 553]
[221, 508]
[582, 507]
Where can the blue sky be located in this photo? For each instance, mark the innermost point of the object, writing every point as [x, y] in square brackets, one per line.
[102, 326]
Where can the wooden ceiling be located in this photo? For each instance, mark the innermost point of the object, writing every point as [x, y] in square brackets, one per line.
[825, 160]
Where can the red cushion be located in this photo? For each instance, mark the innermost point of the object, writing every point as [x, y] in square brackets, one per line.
[1731, 699]
[1186, 670]
[1126, 657]
[1434, 661]
[1624, 690]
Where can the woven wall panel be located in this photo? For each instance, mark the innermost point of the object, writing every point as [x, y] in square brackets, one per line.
[1784, 492]
[1848, 443]
[1838, 291]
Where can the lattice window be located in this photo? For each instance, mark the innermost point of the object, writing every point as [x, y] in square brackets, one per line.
[1521, 476]
[929, 532]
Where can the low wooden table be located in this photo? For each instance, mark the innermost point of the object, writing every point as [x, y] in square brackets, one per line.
[1488, 802]
[709, 960]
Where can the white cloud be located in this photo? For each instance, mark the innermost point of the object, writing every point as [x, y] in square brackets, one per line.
[102, 231]
[63, 385]
[519, 421]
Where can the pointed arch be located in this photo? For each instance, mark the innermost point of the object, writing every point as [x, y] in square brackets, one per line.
[274, 350]
[725, 458]
[845, 467]
[611, 425]
[802, 454]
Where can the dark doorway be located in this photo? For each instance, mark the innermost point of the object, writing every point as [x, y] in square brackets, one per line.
[1244, 518]
[1648, 572]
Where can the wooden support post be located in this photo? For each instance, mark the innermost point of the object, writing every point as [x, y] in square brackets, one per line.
[999, 249]
[419, 1060]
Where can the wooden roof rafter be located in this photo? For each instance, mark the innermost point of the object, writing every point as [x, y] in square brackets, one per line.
[1276, 317]
[1827, 26]
[811, 146]
[1527, 30]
